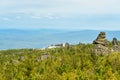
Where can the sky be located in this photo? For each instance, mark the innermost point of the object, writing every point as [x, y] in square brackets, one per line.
[60, 14]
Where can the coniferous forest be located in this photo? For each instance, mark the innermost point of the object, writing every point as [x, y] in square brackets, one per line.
[75, 62]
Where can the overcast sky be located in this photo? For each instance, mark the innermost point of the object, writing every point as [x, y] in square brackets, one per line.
[60, 14]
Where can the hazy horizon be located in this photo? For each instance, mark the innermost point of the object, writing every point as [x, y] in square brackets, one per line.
[17, 39]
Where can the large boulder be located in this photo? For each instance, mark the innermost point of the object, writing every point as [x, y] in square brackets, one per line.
[115, 48]
[99, 49]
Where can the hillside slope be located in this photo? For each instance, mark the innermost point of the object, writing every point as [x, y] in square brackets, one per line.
[65, 63]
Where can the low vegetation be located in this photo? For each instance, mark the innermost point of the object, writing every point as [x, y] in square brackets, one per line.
[73, 63]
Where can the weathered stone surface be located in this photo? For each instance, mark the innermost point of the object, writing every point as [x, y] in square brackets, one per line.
[45, 56]
[101, 39]
[100, 49]
[115, 48]
[101, 44]
[115, 41]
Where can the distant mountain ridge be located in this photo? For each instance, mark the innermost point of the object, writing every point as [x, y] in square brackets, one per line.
[13, 38]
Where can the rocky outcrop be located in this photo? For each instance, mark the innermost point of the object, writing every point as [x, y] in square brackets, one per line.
[99, 49]
[45, 56]
[116, 47]
[115, 41]
[101, 39]
[101, 44]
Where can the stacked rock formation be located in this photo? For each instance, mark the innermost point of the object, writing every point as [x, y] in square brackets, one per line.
[101, 39]
[116, 47]
[101, 44]
[115, 41]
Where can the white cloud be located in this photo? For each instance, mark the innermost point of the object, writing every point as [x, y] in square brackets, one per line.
[64, 7]
[50, 17]
[18, 17]
[6, 19]
[36, 17]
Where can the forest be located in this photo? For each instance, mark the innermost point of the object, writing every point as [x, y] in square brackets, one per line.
[76, 62]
